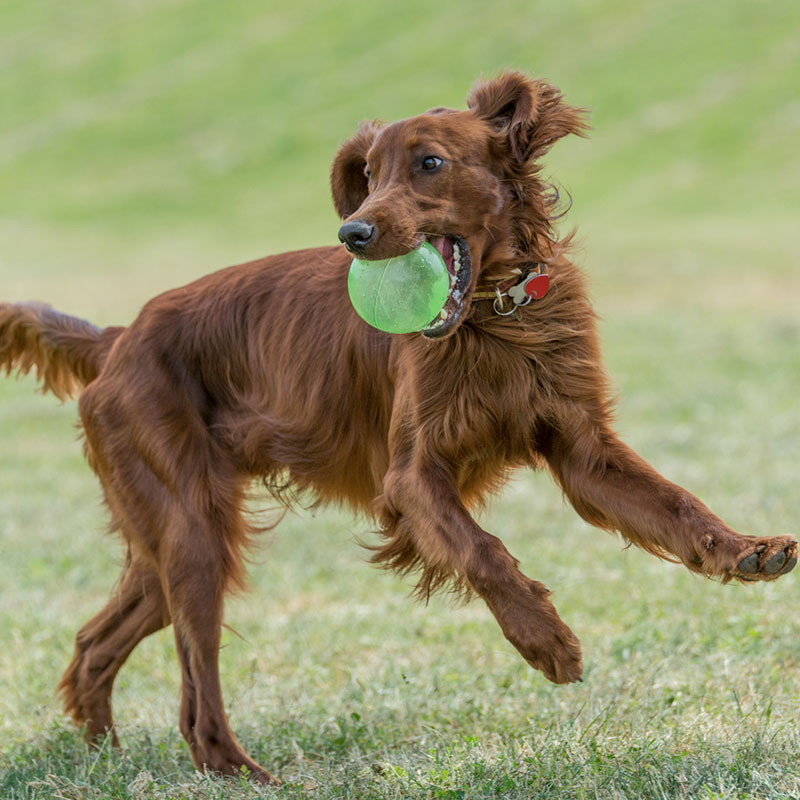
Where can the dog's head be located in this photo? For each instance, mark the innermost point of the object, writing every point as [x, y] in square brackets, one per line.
[463, 180]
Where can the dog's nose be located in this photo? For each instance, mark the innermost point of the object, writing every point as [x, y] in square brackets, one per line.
[356, 235]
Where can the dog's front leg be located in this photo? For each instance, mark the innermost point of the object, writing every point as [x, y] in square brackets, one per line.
[612, 487]
[427, 526]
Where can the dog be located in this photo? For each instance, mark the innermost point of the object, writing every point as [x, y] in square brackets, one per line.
[264, 371]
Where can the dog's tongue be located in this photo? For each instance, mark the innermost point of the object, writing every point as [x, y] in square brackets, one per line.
[444, 244]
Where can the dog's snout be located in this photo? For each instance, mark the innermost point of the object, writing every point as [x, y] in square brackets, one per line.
[356, 235]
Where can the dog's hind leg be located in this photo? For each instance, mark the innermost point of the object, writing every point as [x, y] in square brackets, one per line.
[190, 528]
[136, 609]
[177, 497]
[194, 575]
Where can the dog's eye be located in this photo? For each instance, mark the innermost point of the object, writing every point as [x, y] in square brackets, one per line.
[368, 173]
[431, 163]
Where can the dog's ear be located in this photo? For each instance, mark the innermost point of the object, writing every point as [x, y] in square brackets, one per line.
[530, 114]
[348, 181]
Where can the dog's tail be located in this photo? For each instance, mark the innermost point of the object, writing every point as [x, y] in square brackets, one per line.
[66, 352]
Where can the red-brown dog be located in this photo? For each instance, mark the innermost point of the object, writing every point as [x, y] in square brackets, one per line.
[234, 378]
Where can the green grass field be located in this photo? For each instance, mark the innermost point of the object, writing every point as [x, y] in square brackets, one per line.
[146, 142]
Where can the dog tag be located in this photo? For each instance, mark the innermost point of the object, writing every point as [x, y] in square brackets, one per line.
[533, 287]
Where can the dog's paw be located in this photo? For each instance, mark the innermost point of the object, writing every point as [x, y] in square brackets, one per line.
[560, 664]
[555, 651]
[766, 559]
[531, 623]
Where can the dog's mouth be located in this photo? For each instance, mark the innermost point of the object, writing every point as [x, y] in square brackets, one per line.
[456, 254]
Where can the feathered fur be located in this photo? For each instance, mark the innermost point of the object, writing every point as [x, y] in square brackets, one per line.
[65, 352]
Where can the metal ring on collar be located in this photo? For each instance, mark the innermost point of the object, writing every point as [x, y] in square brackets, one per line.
[498, 305]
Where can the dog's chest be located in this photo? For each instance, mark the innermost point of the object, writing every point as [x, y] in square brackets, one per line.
[484, 413]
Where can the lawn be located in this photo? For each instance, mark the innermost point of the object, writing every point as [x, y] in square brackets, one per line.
[144, 143]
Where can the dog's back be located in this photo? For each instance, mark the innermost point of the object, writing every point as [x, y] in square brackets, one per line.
[268, 357]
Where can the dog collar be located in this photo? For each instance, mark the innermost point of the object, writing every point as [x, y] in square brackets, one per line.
[531, 284]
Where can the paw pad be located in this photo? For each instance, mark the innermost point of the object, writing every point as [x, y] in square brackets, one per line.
[749, 565]
[790, 565]
[774, 563]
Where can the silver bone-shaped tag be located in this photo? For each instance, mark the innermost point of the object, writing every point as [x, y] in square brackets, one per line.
[518, 295]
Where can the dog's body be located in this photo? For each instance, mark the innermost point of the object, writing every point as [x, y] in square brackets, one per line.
[263, 371]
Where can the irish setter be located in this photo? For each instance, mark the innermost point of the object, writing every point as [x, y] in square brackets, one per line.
[264, 371]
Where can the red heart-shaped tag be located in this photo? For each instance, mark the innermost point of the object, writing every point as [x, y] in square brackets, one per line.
[537, 286]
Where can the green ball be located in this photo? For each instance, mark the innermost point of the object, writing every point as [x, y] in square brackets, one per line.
[401, 294]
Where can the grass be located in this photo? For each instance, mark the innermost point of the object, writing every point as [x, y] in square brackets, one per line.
[142, 144]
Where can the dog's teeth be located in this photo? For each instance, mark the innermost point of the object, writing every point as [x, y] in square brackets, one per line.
[452, 280]
[443, 314]
[456, 252]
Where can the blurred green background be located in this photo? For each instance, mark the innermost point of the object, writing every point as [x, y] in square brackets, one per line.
[143, 143]
[146, 142]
